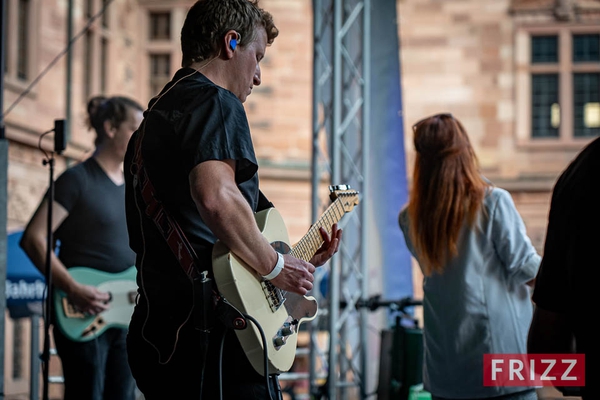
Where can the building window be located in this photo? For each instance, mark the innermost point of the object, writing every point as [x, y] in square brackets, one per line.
[545, 111]
[162, 45]
[160, 26]
[558, 84]
[22, 41]
[544, 49]
[586, 48]
[89, 8]
[103, 64]
[88, 65]
[160, 71]
[105, 14]
[586, 107]
[586, 86]
[21, 33]
[96, 60]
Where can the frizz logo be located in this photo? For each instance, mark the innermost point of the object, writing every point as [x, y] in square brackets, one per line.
[534, 369]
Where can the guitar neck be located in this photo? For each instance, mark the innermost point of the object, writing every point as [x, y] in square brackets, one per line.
[306, 248]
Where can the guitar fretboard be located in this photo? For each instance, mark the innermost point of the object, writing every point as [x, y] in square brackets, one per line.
[306, 248]
[310, 243]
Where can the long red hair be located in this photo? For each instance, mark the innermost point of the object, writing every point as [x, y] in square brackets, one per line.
[447, 189]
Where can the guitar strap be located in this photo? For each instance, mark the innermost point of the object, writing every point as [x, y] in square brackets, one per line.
[204, 291]
[205, 297]
[165, 223]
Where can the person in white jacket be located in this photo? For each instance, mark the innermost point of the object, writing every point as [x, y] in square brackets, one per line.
[477, 261]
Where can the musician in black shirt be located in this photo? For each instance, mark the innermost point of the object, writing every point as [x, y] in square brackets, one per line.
[195, 148]
[89, 222]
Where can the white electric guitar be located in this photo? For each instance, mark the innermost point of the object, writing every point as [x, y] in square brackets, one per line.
[278, 313]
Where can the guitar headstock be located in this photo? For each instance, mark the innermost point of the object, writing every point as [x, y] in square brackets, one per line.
[348, 198]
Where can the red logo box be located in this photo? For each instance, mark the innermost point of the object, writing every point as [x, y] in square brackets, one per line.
[534, 370]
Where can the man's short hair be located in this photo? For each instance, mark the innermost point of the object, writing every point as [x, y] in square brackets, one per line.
[208, 20]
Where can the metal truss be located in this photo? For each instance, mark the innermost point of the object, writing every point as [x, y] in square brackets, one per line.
[340, 148]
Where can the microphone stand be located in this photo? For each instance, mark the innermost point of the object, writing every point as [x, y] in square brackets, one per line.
[59, 146]
[49, 246]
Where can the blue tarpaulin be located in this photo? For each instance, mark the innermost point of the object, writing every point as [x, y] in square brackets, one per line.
[25, 284]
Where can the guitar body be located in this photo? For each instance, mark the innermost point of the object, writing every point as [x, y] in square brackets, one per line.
[245, 289]
[79, 327]
[278, 313]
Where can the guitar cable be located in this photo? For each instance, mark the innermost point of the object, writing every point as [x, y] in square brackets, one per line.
[265, 358]
[205, 349]
[265, 353]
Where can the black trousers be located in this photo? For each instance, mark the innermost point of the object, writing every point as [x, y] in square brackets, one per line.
[97, 369]
[180, 375]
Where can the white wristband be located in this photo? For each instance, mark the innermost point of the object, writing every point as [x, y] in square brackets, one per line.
[278, 268]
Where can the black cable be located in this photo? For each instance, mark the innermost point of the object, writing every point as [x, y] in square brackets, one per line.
[202, 370]
[221, 365]
[55, 60]
[40, 145]
[265, 354]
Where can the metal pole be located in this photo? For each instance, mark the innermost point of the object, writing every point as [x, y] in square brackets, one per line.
[69, 72]
[34, 358]
[364, 237]
[3, 193]
[316, 177]
[335, 273]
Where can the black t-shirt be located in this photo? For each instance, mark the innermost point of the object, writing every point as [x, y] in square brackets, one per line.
[94, 234]
[571, 259]
[193, 121]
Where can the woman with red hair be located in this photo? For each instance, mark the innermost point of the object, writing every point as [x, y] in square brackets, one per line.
[477, 261]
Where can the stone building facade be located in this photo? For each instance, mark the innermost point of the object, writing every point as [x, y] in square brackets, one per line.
[482, 61]
[132, 48]
[521, 75]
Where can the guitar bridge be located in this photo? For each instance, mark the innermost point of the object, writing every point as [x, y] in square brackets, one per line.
[273, 295]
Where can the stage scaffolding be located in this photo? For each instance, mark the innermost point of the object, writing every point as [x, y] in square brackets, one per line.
[341, 80]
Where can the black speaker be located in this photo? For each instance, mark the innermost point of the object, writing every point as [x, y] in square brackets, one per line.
[59, 135]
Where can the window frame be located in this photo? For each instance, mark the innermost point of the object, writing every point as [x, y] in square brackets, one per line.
[11, 79]
[565, 68]
[157, 82]
[98, 46]
[171, 46]
[159, 12]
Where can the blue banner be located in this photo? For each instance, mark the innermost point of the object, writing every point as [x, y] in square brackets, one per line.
[389, 187]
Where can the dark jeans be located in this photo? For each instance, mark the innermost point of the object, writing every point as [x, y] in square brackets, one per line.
[97, 369]
[181, 376]
[529, 394]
